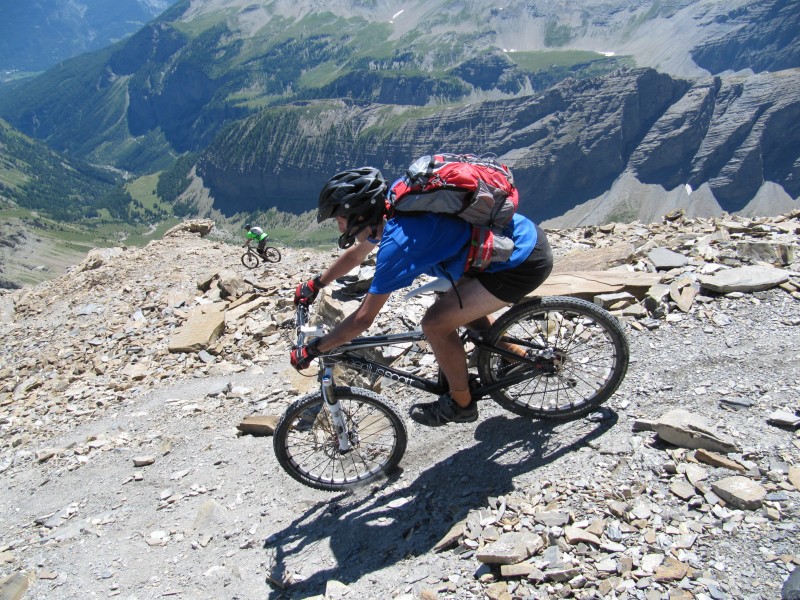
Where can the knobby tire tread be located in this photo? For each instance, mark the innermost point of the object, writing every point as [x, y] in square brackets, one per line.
[536, 306]
[272, 254]
[250, 260]
[343, 393]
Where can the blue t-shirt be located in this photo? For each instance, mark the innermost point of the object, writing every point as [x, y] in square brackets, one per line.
[436, 245]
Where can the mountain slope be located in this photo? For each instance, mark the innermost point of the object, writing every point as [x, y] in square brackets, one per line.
[206, 62]
[37, 34]
[566, 146]
[295, 89]
[35, 177]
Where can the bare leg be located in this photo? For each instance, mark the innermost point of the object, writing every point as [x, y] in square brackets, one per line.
[440, 325]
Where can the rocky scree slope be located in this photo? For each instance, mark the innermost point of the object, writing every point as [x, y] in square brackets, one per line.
[130, 470]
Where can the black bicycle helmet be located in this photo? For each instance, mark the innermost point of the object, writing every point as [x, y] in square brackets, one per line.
[359, 195]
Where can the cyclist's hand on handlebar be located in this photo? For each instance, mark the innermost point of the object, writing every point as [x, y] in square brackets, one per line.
[306, 293]
[302, 356]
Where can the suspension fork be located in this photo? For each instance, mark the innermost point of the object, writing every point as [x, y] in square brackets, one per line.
[334, 409]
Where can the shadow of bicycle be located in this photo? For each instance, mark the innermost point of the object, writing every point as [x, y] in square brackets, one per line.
[371, 529]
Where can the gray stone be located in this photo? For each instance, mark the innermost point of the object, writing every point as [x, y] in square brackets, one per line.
[232, 285]
[258, 424]
[682, 488]
[199, 332]
[201, 227]
[143, 461]
[98, 257]
[14, 586]
[664, 259]
[510, 548]
[690, 430]
[776, 253]
[575, 535]
[615, 301]
[744, 279]
[783, 418]
[592, 283]
[210, 517]
[740, 492]
[551, 518]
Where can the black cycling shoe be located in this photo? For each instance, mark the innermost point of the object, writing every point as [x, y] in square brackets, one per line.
[443, 411]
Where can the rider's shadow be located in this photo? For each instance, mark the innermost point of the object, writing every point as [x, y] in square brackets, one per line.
[366, 532]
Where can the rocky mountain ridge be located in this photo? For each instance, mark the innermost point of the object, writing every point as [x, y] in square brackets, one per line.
[278, 82]
[132, 386]
[634, 145]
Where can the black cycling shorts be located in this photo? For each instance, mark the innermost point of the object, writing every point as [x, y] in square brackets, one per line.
[512, 285]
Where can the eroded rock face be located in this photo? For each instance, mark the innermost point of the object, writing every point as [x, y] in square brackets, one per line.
[567, 146]
[766, 40]
[192, 226]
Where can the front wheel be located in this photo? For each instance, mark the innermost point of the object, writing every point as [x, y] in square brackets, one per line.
[249, 260]
[272, 254]
[576, 357]
[307, 448]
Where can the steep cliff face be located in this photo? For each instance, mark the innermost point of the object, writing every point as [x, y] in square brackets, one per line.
[330, 85]
[766, 37]
[566, 146]
[733, 134]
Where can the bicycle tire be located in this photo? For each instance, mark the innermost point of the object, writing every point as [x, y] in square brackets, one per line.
[272, 254]
[250, 260]
[591, 349]
[307, 449]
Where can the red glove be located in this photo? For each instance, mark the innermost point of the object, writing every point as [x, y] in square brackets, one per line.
[302, 356]
[306, 293]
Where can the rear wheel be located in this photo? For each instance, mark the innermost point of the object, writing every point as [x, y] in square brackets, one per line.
[249, 260]
[307, 448]
[272, 254]
[577, 356]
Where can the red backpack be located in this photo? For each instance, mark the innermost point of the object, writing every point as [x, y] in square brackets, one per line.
[479, 190]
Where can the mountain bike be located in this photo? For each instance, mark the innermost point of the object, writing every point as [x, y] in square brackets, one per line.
[251, 259]
[340, 437]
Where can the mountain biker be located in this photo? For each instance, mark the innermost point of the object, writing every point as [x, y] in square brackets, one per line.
[258, 234]
[410, 245]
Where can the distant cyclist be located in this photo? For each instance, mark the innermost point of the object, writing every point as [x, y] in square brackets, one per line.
[258, 234]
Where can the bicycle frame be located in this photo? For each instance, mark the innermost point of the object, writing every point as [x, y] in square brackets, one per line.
[250, 248]
[545, 358]
[348, 356]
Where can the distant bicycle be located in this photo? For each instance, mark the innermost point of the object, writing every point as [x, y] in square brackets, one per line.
[251, 259]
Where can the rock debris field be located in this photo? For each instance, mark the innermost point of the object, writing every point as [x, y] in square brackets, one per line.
[138, 391]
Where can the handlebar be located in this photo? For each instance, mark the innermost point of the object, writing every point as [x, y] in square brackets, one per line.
[302, 328]
[300, 319]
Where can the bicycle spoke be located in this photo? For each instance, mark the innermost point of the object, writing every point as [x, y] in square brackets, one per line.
[310, 451]
[577, 355]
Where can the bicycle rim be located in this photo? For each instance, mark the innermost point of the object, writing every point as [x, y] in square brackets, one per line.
[307, 448]
[272, 255]
[249, 260]
[588, 357]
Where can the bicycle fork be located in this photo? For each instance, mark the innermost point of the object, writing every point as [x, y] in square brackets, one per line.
[335, 411]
